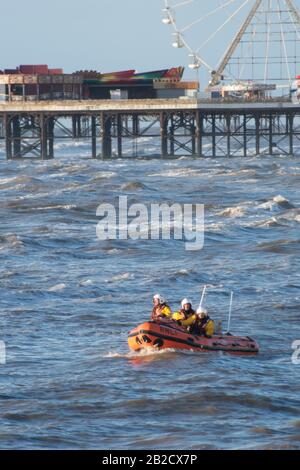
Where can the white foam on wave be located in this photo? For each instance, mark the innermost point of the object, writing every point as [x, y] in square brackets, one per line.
[18, 179]
[277, 202]
[214, 227]
[120, 277]
[100, 175]
[57, 287]
[63, 206]
[177, 173]
[113, 251]
[273, 222]
[10, 241]
[85, 283]
[145, 353]
[70, 144]
[237, 211]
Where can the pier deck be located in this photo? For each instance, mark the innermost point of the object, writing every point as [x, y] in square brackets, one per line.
[122, 128]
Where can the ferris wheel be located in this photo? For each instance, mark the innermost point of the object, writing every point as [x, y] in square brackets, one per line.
[238, 40]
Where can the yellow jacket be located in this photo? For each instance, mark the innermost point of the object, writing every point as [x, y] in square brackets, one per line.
[190, 321]
[210, 328]
[166, 311]
[178, 316]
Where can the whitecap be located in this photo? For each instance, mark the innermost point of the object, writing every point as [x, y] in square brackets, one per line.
[57, 287]
[273, 222]
[233, 212]
[277, 202]
[10, 241]
[177, 173]
[144, 353]
[121, 277]
[88, 282]
[133, 185]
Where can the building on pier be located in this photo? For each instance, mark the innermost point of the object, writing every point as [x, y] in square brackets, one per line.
[40, 83]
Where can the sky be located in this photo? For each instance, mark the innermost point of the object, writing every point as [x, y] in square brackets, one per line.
[111, 35]
[105, 35]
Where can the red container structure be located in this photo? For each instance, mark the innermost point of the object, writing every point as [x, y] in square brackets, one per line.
[41, 69]
[27, 69]
[34, 69]
[55, 71]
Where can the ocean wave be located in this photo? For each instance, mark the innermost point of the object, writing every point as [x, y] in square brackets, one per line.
[269, 223]
[278, 202]
[85, 283]
[293, 215]
[178, 173]
[120, 277]
[18, 180]
[279, 246]
[215, 227]
[230, 173]
[54, 207]
[103, 175]
[132, 186]
[10, 241]
[139, 355]
[233, 212]
[57, 287]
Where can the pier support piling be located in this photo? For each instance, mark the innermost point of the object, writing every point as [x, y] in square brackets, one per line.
[199, 133]
[257, 135]
[106, 125]
[94, 136]
[119, 135]
[8, 141]
[164, 134]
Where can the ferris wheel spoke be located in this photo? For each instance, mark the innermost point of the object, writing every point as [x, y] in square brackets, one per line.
[203, 18]
[268, 46]
[213, 35]
[248, 54]
[294, 22]
[283, 41]
[181, 4]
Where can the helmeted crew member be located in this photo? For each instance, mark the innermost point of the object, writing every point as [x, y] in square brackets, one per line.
[185, 312]
[204, 325]
[160, 309]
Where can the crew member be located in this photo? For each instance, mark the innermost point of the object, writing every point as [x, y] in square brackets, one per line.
[204, 325]
[160, 308]
[186, 315]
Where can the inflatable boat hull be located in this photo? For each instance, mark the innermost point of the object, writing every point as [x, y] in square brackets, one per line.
[169, 335]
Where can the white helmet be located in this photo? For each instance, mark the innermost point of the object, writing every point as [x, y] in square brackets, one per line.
[159, 298]
[202, 310]
[185, 301]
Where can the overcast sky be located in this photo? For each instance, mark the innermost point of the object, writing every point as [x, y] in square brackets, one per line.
[105, 35]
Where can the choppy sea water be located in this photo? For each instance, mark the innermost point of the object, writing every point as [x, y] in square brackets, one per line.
[67, 302]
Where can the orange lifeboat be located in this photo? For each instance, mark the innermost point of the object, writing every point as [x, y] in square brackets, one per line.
[166, 334]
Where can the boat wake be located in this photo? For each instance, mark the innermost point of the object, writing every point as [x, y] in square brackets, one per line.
[140, 354]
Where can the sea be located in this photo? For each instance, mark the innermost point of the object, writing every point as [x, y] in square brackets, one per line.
[68, 300]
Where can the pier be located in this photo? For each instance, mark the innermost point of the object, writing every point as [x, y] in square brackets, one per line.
[118, 129]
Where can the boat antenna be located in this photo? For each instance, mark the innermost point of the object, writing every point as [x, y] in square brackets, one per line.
[202, 297]
[230, 313]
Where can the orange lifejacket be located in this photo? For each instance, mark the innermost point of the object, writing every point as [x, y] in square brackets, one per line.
[159, 311]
